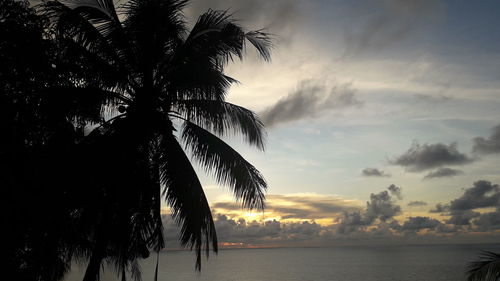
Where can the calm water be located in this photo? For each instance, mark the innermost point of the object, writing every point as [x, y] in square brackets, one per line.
[346, 263]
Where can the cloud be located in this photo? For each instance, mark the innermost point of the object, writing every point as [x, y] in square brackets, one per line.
[462, 210]
[440, 208]
[395, 191]
[416, 203]
[381, 207]
[374, 172]
[387, 22]
[483, 194]
[443, 172]
[488, 221]
[376, 222]
[428, 156]
[419, 223]
[490, 145]
[294, 207]
[462, 217]
[433, 99]
[309, 100]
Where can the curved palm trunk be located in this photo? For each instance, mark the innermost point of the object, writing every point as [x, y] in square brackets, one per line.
[98, 254]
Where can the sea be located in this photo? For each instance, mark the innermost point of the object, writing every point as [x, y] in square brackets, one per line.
[340, 263]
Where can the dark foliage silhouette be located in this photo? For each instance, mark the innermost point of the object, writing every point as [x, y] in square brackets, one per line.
[99, 107]
[486, 268]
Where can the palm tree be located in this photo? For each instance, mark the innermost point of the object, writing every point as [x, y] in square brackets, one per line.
[487, 268]
[149, 90]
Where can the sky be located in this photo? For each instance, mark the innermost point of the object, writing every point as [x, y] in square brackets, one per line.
[382, 120]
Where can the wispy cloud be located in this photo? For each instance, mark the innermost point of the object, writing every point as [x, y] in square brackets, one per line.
[293, 207]
[374, 172]
[416, 203]
[443, 173]
[309, 100]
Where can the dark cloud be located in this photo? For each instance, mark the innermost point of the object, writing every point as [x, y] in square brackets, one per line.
[416, 203]
[440, 208]
[419, 223]
[428, 156]
[488, 221]
[381, 207]
[462, 217]
[490, 145]
[483, 194]
[352, 221]
[308, 101]
[374, 172]
[443, 172]
[395, 191]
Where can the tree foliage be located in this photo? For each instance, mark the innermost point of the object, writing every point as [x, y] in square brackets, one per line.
[486, 268]
[101, 106]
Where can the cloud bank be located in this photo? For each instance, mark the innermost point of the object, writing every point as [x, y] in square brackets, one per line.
[465, 210]
[296, 220]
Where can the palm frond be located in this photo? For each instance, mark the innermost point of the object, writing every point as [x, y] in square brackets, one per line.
[184, 194]
[487, 268]
[261, 40]
[156, 27]
[214, 37]
[71, 24]
[217, 37]
[224, 119]
[83, 104]
[196, 79]
[94, 25]
[227, 165]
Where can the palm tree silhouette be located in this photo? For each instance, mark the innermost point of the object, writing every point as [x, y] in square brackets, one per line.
[151, 90]
[486, 268]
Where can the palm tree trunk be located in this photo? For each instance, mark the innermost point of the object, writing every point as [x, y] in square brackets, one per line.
[94, 267]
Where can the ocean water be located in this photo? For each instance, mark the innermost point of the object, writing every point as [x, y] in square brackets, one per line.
[342, 263]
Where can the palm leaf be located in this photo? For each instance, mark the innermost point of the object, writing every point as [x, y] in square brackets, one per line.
[262, 42]
[156, 28]
[94, 25]
[227, 165]
[184, 194]
[487, 268]
[224, 119]
[84, 104]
